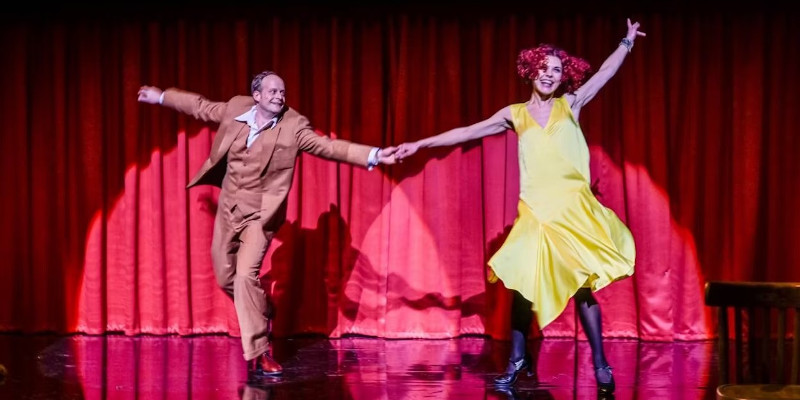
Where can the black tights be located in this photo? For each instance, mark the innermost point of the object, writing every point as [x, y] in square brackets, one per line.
[521, 318]
[591, 320]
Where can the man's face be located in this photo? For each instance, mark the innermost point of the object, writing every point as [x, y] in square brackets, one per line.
[272, 96]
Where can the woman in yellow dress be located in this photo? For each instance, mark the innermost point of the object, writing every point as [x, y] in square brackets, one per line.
[563, 243]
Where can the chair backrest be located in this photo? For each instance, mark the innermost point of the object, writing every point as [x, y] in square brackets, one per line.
[758, 358]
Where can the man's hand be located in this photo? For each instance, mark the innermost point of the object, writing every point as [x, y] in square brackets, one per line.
[149, 94]
[386, 155]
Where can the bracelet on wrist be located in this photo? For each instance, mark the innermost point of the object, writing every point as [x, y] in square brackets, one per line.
[627, 43]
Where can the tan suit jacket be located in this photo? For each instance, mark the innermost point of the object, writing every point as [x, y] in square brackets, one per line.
[279, 147]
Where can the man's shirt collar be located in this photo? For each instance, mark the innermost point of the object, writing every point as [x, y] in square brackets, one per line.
[249, 117]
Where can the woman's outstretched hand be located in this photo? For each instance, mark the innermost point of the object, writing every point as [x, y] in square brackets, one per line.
[633, 30]
[406, 150]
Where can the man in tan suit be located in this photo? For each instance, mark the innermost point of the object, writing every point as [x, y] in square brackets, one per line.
[252, 160]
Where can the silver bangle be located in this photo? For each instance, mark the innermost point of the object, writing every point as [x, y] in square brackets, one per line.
[627, 43]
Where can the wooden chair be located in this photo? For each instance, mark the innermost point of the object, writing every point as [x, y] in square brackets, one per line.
[759, 346]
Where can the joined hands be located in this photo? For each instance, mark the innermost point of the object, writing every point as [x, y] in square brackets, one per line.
[406, 150]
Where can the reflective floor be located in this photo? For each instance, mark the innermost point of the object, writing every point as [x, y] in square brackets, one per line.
[211, 367]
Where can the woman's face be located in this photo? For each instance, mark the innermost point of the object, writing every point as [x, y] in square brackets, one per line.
[549, 77]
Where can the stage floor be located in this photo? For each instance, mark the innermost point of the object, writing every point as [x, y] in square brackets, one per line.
[211, 367]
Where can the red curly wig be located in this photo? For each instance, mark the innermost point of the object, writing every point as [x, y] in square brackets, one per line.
[575, 69]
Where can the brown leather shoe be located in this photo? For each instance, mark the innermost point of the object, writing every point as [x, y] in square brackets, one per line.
[265, 365]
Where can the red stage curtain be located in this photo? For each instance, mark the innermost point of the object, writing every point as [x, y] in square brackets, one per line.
[692, 144]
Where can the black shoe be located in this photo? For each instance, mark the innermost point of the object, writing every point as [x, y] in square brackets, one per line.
[605, 380]
[513, 370]
[605, 396]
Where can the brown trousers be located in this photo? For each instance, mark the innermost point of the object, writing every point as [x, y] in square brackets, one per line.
[237, 250]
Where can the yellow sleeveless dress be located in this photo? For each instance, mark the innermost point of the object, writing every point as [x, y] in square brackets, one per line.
[563, 239]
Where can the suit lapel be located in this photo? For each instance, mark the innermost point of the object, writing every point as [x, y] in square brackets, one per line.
[227, 139]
